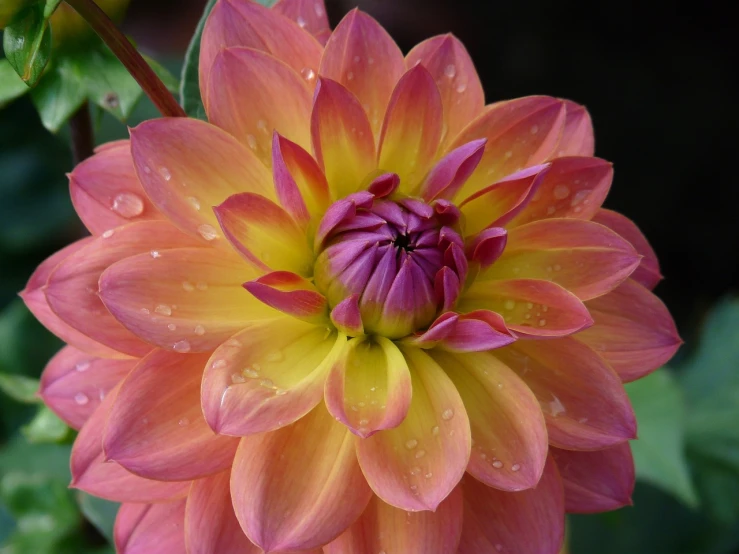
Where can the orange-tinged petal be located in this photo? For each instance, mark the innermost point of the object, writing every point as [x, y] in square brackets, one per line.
[278, 507]
[106, 192]
[573, 188]
[530, 521]
[291, 294]
[583, 400]
[245, 23]
[188, 166]
[520, 133]
[648, 273]
[342, 138]
[251, 95]
[363, 57]
[412, 128]
[369, 387]
[383, 528]
[186, 299]
[577, 136]
[150, 528]
[265, 234]
[156, 428]
[451, 67]
[72, 290]
[308, 14]
[508, 429]
[417, 464]
[74, 383]
[530, 307]
[211, 526]
[633, 331]
[268, 375]
[586, 258]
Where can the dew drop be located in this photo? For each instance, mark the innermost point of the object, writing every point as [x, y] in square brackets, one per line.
[82, 366]
[181, 346]
[251, 140]
[415, 470]
[301, 21]
[188, 286]
[163, 309]
[420, 454]
[447, 414]
[515, 467]
[164, 172]
[251, 373]
[534, 129]
[201, 286]
[274, 356]
[450, 71]
[509, 304]
[280, 392]
[107, 234]
[207, 231]
[497, 464]
[81, 398]
[219, 364]
[155, 254]
[350, 76]
[435, 430]
[199, 330]
[128, 205]
[308, 74]
[194, 202]
[172, 327]
[461, 87]
[411, 444]
[363, 421]
[557, 267]
[561, 192]
[509, 154]
[357, 59]
[318, 9]
[236, 378]
[267, 383]
[551, 210]
[429, 475]
[542, 322]
[183, 422]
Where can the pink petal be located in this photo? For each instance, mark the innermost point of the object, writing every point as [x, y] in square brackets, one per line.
[211, 526]
[281, 509]
[487, 246]
[596, 481]
[342, 138]
[417, 464]
[291, 294]
[472, 332]
[520, 133]
[451, 67]
[346, 316]
[586, 258]
[634, 331]
[369, 387]
[106, 192]
[156, 428]
[530, 521]
[74, 383]
[383, 528]
[72, 290]
[647, 273]
[150, 528]
[577, 137]
[187, 166]
[508, 429]
[583, 400]
[187, 299]
[308, 14]
[363, 57]
[451, 172]
[268, 375]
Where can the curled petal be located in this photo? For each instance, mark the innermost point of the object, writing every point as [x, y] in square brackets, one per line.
[417, 464]
[383, 528]
[341, 212]
[363, 57]
[488, 246]
[472, 332]
[268, 375]
[74, 383]
[447, 287]
[583, 400]
[451, 172]
[276, 505]
[148, 528]
[346, 316]
[634, 331]
[369, 387]
[308, 14]
[577, 136]
[291, 294]
[596, 481]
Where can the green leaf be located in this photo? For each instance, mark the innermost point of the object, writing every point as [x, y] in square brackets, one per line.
[60, 94]
[11, 86]
[20, 388]
[45, 427]
[659, 453]
[27, 43]
[50, 6]
[101, 513]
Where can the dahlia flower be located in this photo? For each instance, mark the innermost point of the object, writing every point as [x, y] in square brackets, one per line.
[358, 311]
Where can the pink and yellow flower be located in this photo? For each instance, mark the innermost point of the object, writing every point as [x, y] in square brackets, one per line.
[358, 311]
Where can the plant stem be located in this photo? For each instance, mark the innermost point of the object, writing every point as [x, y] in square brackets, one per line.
[129, 56]
[80, 126]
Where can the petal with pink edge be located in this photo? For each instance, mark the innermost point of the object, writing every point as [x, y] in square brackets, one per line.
[596, 481]
[531, 521]
[276, 505]
[450, 173]
[308, 14]
[508, 429]
[291, 294]
[74, 383]
[187, 166]
[156, 428]
[530, 307]
[245, 23]
[583, 400]
[150, 528]
[383, 528]
[363, 57]
[520, 133]
[342, 138]
[417, 464]
[573, 188]
[265, 234]
[369, 387]
[412, 128]
[648, 273]
[252, 95]
[451, 67]
[186, 299]
[106, 192]
[578, 138]
[472, 332]
[586, 258]
[73, 287]
[634, 331]
[268, 375]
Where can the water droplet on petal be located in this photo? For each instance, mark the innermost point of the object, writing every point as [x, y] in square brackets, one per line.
[435, 430]
[163, 309]
[447, 414]
[82, 366]
[219, 364]
[107, 234]
[363, 421]
[194, 202]
[181, 346]
[155, 254]
[188, 286]
[411, 444]
[450, 71]
[461, 87]
[172, 327]
[509, 304]
[81, 398]
[274, 356]
[308, 74]
[318, 9]
[420, 454]
[164, 172]
[201, 286]
[208, 232]
[236, 378]
[542, 322]
[561, 192]
[350, 76]
[301, 21]
[497, 464]
[251, 140]
[429, 475]
[534, 129]
[251, 373]
[515, 467]
[183, 422]
[199, 330]
[128, 205]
